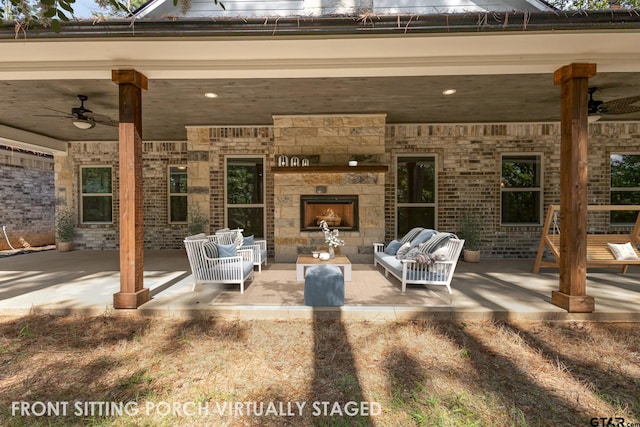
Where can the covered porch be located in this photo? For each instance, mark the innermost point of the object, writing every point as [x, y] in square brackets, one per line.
[51, 282]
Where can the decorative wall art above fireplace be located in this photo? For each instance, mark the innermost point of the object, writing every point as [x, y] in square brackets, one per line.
[340, 211]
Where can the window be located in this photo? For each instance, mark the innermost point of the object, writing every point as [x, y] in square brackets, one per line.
[96, 194]
[177, 194]
[416, 193]
[521, 189]
[625, 186]
[245, 195]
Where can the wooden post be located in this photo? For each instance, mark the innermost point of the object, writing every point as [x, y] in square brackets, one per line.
[132, 294]
[574, 84]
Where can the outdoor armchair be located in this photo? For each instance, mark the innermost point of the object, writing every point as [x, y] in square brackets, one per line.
[236, 269]
[257, 246]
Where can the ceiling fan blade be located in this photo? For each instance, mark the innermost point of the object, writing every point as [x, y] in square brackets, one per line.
[101, 119]
[66, 113]
[64, 116]
[620, 106]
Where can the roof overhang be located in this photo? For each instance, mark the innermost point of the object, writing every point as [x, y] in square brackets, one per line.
[457, 54]
[168, 53]
[19, 138]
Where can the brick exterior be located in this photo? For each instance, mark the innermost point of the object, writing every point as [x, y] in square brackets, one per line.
[468, 159]
[27, 207]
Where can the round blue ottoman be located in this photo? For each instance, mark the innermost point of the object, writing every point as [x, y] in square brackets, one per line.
[324, 286]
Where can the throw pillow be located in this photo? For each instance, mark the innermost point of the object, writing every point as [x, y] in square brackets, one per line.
[238, 240]
[247, 240]
[424, 235]
[392, 247]
[402, 251]
[412, 253]
[211, 250]
[423, 259]
[436, 241]
[441, 254]
[227, 250]
[411, 234]
[623, 251]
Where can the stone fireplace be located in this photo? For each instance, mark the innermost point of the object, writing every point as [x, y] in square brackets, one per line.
[329, 142]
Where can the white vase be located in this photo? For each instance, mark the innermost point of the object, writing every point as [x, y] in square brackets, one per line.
[332, 253]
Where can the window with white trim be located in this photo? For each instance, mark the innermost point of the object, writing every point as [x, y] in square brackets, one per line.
[177, 194]
[625, 186]
[521, 189]
[96, 194]
[245, 201]
[415, 193]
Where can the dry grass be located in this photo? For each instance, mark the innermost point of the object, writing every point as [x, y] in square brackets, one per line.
[420, 373]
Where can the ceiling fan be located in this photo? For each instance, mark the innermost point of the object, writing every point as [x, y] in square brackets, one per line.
[82, 117]
[627, 105]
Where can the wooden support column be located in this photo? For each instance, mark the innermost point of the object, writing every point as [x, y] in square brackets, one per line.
[132, 293]
[574, 84]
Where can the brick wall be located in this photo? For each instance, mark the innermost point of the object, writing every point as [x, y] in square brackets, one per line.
[27, 204]
[468, 159]
[157, 156]
[469, 172]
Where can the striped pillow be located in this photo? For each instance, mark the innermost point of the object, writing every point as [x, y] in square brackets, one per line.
[435, 242]
[211, 250]
[411, 234]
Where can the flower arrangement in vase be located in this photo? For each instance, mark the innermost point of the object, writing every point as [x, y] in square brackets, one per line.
[331, 238]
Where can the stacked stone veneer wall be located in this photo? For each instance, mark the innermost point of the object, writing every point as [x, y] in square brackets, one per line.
[329, 140]
[468, 160]
[27, 206]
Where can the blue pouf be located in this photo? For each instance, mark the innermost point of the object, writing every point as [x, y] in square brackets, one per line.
[324, 286]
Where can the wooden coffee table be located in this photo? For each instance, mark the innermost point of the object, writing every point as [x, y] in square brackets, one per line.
[307, 260]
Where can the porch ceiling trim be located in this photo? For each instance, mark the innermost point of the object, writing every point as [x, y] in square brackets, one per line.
[243, 57]
[31, 141]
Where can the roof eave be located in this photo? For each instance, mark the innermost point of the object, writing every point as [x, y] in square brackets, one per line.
[339, 25]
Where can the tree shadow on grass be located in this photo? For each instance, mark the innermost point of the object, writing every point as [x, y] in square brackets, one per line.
[528, 402]
[335, 386]
[609, 384]
[45, 360]
[199, 326]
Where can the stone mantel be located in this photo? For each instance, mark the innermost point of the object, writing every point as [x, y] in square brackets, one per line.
[330, 169]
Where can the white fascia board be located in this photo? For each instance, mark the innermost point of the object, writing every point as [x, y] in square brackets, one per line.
[31, 141]
[272, 57]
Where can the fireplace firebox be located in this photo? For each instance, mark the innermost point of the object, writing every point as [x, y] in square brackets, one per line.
[339, 211]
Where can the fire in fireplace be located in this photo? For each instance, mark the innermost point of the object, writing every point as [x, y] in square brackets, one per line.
[340, 212]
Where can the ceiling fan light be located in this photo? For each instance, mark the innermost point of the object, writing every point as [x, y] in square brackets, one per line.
[83, 124]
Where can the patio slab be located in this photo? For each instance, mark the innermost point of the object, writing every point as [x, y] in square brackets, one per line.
[83, 282]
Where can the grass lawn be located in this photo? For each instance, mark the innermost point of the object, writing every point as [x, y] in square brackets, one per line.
[147, 371]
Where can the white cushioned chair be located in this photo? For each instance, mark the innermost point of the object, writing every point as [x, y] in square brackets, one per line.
[258, 247]
[236, 269]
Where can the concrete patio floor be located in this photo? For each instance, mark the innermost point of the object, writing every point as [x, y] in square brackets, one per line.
[83, 282]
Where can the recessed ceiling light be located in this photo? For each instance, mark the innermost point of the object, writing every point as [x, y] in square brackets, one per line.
[211, 95]
[449, 91]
